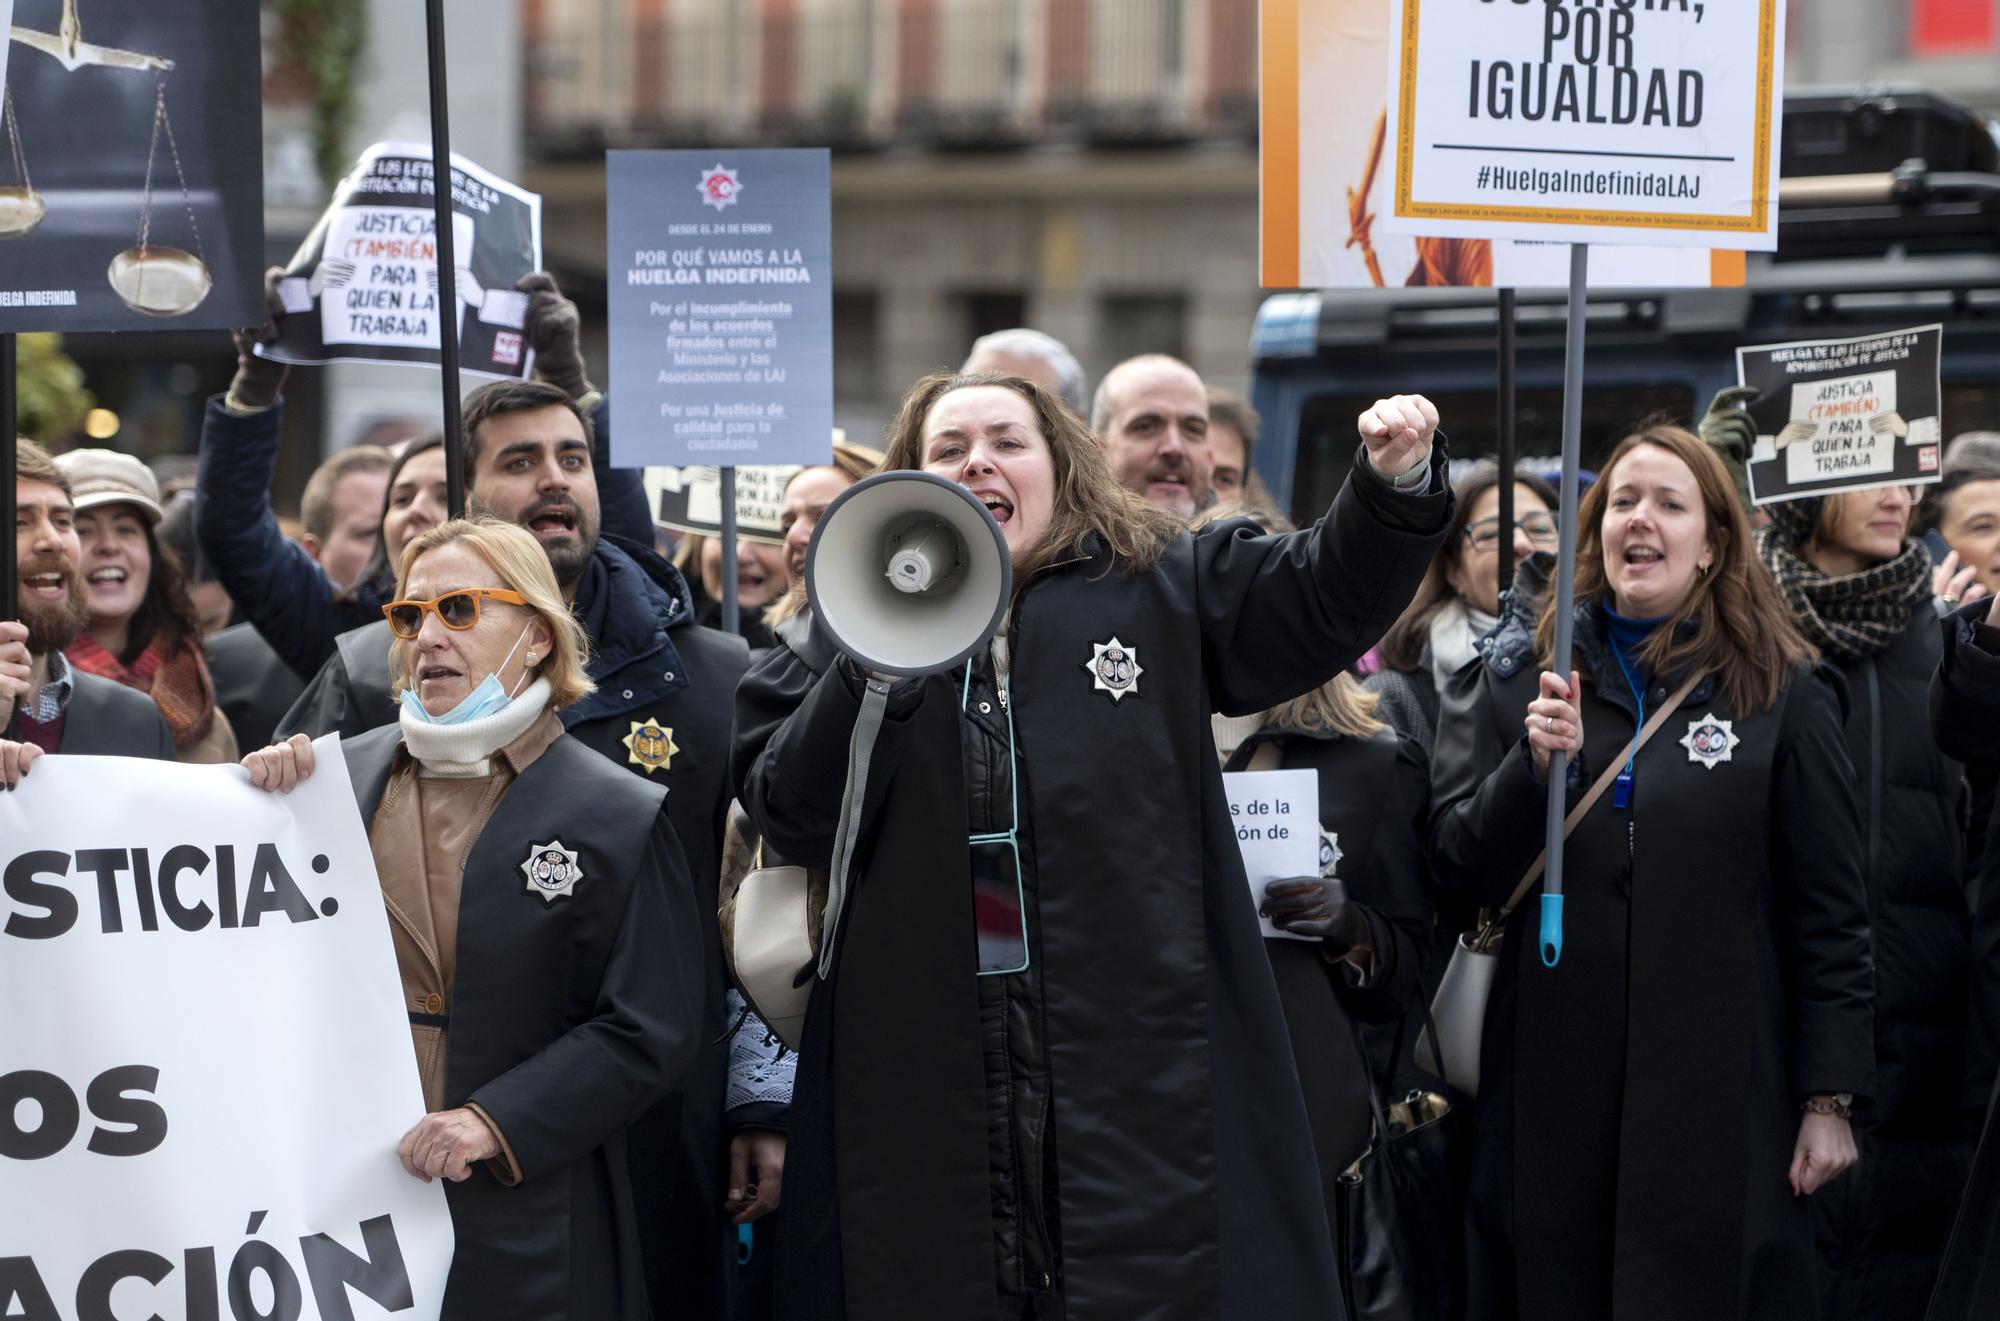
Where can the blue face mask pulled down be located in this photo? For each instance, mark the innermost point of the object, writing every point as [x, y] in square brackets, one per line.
[488, 698]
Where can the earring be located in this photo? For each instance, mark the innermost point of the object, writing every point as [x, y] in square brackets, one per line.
[529, 659]
[1701, 570]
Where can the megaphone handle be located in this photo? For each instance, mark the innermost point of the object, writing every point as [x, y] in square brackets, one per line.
[860, 750]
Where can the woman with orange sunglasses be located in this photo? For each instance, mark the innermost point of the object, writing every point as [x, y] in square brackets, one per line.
[544, 926]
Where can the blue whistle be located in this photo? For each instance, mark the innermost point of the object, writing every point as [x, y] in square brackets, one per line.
[1621, 790]
[1552, 930]
[746, 1241]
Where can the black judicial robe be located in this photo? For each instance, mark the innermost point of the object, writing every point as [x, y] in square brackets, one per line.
[1374, 816]
[569, 1017]
[1639, 1103]
[650, 662]
[1183, 1183]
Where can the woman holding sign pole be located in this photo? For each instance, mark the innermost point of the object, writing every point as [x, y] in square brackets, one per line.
[544, 926]
[1859, 588]
[1100, 1118]
[1655, 1110]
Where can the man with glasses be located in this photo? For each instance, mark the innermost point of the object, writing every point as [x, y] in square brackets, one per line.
[662, 709]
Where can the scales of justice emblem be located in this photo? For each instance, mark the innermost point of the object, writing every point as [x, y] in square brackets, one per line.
[552, 871]
[155, 279]
[1114, 668]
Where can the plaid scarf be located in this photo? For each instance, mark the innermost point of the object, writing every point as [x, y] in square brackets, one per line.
[1849, 618]
[177, 682]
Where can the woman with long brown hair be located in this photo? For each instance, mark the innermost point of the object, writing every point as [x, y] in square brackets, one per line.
[1048, 1051]
[1657, 1105]
[143, 629]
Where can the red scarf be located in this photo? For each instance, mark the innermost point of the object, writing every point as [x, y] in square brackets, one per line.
[177, 681]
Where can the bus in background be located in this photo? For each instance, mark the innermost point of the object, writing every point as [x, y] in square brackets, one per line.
[1889, 218]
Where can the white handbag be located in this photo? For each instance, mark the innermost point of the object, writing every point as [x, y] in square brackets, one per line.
[1459, 1007]
[770, 933]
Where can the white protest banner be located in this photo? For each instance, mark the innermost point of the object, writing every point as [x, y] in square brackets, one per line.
[690, 500]
[364, 286]
[205, 1065]
[1276, 815]
[1651, 122]
[1844, 414]
[1326, 177]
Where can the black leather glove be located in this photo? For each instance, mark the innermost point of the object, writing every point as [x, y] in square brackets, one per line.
[259, 381]
[1728, 429]
[1315, 906]
[553, 328]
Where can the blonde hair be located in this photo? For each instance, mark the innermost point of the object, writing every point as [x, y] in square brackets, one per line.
[523, 566]
[1338, 706]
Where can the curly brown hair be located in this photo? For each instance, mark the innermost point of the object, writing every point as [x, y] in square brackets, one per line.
[1742, 633]
[1089, 503]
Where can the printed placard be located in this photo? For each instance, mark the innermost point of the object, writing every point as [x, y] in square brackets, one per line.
[131, 166]
[201, 1119]
[721, 307]
[1326, 177]
[1844, 414]
[364, 285]
[1276, 817]
[1587, 122]
[690, 500]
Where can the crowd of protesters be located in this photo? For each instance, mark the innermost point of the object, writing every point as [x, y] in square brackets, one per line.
[1752, 1087]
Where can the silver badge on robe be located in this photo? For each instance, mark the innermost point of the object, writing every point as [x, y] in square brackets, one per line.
[552, 870]
[1710, 741]
[1114, 668]
[1329, 854]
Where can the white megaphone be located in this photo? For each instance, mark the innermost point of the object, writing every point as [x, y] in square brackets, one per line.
[908, 573]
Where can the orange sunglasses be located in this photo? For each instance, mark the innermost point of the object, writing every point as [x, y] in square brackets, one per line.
[457, 610]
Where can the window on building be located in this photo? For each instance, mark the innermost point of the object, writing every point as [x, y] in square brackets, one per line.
[983, 311]
[857, 344]
[1131, 324]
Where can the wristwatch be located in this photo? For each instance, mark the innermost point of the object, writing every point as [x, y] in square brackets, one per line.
[1840, 1104]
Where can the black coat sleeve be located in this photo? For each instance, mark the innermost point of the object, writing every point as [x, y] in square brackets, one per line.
[277, 586]
[1965, 691]
[622, 507]
[790, 750]
[1489, 811]
[1965, 720]
[1281, 615]
[571, 1097]
[1397, 902]
[1821, 898]
[327, 706]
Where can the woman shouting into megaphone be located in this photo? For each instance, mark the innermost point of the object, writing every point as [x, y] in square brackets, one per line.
[1046, 1072]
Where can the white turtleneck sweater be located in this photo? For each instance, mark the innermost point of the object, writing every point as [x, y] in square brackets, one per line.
[466, 751]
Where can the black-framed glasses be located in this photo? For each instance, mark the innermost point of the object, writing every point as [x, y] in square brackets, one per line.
[1542, 529]
[457, 610]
